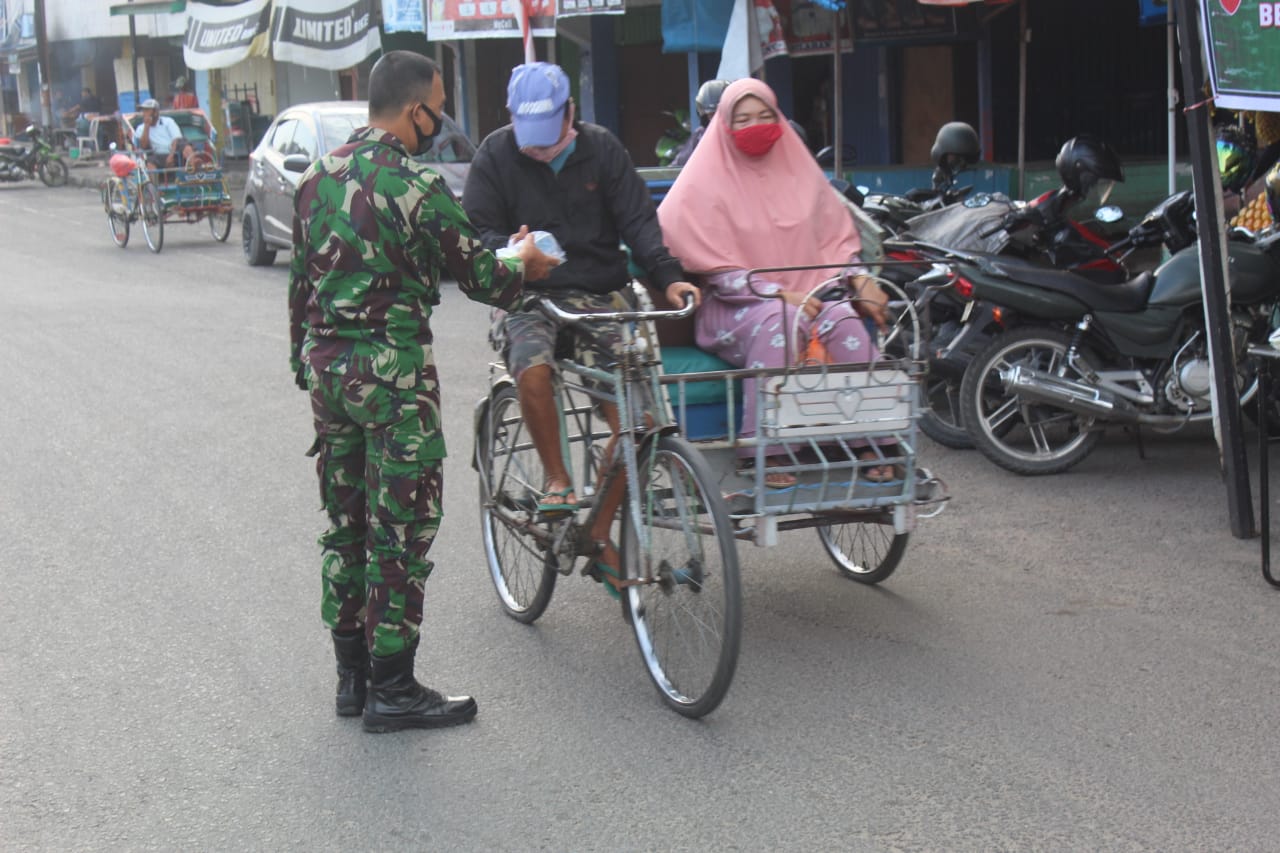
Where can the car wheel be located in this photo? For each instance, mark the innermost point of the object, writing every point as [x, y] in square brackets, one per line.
[256, 250]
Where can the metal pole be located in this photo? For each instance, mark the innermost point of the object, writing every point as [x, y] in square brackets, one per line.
[1173, 103]
[1023, 37]
[837, 97]
[133, 54]
[1227, 425]
[42, 65]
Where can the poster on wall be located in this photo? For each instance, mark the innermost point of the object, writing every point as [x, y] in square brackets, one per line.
[328, 34]
[570, 8]
[807, 27]
[1242, 42]
[221, 36]
[468, 19]
[403, 16]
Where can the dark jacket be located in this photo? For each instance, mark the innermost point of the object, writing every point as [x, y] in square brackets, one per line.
[596, 202]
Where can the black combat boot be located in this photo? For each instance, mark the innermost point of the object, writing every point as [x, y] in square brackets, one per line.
[353, 672]
[397, 701]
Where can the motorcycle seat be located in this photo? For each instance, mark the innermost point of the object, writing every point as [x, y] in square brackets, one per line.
[14, 150]
[1131, 295]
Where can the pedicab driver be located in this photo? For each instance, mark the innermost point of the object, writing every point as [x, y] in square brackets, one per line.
[549, 172]
[161, 138]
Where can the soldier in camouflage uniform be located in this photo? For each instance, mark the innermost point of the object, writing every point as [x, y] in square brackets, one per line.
[373, 233]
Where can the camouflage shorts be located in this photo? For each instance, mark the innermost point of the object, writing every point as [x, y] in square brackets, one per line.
[532, 337]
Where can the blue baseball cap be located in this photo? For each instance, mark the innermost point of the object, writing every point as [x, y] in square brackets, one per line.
[536, 95]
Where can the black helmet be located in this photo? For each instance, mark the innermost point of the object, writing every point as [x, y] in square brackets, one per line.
[1273, 192]
[1235, 156]
[1084, 160]
[708, 98]
[955, 147]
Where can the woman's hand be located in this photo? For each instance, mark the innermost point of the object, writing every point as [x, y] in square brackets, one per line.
[809, 305]
[678, 290]
[871, 301]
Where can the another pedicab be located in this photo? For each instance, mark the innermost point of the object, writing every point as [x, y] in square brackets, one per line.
[140, 192]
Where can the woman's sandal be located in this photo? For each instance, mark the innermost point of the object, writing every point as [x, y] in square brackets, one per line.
[564, 504]
[879, 474]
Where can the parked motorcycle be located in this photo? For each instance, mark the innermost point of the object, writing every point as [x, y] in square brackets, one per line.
[1083, 355]
[19, 163]
[955, 148]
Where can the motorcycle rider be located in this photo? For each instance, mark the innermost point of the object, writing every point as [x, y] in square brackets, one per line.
[706, 101]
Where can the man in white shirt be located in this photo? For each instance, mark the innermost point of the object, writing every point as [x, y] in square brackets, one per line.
[161, 138]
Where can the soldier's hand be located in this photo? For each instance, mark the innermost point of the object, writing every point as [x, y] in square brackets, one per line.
[537, 263]
[300, 378]
[518, 236]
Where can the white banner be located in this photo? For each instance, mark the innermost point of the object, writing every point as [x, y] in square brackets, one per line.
[328, 34]
[221, 36]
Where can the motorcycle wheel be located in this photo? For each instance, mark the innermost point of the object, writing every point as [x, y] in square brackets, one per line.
[1040, 439]
[53, 172]
[940, 413]
[152, 217]
[1248, 368]
[117, 214]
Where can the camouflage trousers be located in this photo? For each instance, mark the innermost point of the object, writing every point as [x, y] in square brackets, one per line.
[381, 484]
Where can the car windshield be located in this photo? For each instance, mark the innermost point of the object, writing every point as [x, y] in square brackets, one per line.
[337, 127]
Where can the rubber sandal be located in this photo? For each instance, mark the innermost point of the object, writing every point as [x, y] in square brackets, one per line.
[599, 568]
[880, 474]
[563, 505]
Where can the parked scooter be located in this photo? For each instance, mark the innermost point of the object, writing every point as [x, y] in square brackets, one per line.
[1083, 355]
[19, 163]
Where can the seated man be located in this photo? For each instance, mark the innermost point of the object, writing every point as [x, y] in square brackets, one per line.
[547, 172]
[161, 138]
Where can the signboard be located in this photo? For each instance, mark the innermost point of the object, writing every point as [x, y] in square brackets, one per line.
[403, 16]
[570, 8]
[889, 20]
[1242, 43]
[328, 34]
[807, 27]
[221, 36]
[480, 19]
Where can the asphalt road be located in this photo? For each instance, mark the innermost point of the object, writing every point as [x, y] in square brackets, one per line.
[1081, 662]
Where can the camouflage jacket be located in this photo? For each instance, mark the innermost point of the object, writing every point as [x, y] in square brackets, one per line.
[373, 231]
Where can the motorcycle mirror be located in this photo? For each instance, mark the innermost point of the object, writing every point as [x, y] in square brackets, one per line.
[1109, 213]
[112, 146]
[864, 189]
[979, 200]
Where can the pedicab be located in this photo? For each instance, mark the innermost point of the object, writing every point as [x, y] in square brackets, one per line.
[140, 192]
[696, 479]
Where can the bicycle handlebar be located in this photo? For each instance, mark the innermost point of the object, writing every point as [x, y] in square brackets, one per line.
[559, 313]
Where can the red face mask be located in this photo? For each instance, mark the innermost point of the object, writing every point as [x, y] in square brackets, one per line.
[756, 140]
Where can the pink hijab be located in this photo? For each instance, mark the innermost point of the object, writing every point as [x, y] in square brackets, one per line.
[728, 210]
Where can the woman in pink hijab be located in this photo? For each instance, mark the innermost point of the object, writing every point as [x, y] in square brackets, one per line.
[752, 196]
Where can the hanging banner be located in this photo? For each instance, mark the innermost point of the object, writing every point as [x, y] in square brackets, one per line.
[328, 34]
[888, 20]
[570, 8]
[403, 16]
[773, 36]
[221, 36]
[1242, 42]
[807, 28]
[467, 19]
[695, 25]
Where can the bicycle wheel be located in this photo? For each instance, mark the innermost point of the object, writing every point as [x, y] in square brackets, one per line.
[686, 608]
[117, 214]
[866, 552]
[523, 571]
[152, 217]
[220, 226]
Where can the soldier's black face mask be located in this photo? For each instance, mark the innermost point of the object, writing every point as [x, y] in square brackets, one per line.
[424, 139]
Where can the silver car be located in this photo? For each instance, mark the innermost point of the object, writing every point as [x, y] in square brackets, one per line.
[297, 138]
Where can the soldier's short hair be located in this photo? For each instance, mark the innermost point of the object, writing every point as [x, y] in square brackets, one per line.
[398, 79]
